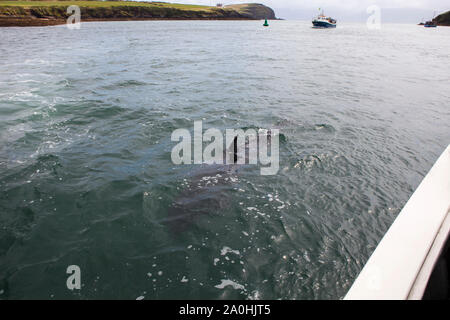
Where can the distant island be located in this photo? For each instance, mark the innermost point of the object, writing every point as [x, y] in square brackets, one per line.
[443, 19]
[45, 13]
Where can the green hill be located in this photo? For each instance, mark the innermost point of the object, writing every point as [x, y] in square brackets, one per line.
[253, 10]
[39, 13]
[443, 19]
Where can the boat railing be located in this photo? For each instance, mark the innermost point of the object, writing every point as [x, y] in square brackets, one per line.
[403, 262]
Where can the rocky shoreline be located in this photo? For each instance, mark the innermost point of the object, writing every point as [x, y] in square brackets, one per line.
[42, 22]
[49, 15]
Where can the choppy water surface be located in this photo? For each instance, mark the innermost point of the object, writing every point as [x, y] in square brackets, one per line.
[86, 176]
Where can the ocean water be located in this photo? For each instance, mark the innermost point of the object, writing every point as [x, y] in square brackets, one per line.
[86, 176]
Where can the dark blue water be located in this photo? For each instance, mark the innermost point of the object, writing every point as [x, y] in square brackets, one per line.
[86, 176]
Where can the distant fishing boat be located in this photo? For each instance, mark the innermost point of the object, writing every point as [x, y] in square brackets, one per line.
[430, 23]
[323, 21]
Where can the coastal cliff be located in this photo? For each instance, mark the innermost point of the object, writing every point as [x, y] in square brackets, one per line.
[253, 11]
[443, 19]
[43, 13]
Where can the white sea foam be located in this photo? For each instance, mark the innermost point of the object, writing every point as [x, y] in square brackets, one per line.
[226, 282]
[226, 250]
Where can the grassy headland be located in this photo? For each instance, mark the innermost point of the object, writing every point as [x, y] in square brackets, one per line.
[41, 12]
[443, 19]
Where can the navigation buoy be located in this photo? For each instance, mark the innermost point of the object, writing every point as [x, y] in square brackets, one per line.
[266, 24]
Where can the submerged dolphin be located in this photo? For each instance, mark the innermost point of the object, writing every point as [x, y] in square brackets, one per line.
[207, 192]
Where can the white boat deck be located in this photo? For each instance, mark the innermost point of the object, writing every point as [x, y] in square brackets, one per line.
[402, 263]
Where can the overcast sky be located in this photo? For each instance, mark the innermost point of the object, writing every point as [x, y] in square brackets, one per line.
[347, 10]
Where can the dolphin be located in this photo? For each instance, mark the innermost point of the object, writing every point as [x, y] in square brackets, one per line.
[206, 193]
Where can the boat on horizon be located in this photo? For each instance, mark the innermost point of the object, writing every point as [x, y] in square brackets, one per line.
[430, 23]
[322, 22]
